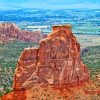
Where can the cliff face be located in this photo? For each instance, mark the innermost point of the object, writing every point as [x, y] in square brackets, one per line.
[10, 31]
[55, 63]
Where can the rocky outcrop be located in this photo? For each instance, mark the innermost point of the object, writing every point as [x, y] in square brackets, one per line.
[10, 31]
[55, 63]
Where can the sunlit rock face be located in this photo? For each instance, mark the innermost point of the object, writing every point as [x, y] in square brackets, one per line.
[53, 71]
[56, 62]
[10, 31]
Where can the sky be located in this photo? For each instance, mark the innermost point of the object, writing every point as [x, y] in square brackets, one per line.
[50, 4]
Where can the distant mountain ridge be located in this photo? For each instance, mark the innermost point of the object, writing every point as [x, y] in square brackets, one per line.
[10, 31]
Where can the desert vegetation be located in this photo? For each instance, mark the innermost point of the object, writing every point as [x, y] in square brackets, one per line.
[9, 54]
[91, 57]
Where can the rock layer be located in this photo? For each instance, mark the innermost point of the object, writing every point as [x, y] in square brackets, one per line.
[10, 31]
[56, 62]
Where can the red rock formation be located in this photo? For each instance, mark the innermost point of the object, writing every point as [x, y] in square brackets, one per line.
[55, 63]
[10, 31]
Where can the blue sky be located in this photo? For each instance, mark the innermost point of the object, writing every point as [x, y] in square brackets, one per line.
[49, 4]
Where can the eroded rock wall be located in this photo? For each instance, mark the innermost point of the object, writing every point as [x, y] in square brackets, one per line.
[56, 62]
[10, 31]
